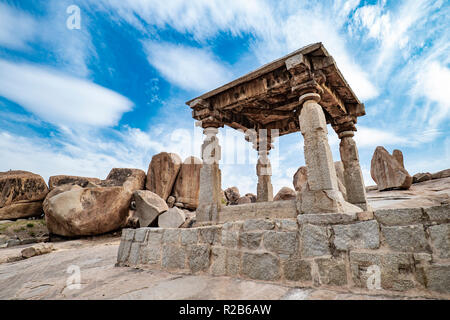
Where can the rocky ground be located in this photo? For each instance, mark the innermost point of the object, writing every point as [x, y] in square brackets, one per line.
[423, 194]
[46, 276]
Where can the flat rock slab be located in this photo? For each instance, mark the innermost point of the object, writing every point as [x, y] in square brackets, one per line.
[424, 194]
[45, 277]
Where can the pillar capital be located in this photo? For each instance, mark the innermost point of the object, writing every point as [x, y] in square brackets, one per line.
[210, 131]
[346, 134]
[309, 96]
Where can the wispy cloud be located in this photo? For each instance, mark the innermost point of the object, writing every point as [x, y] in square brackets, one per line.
[187, 67]
[58, 98]
[16, 28]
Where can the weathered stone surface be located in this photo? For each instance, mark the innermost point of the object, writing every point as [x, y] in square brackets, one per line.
[396, 269]
[150, 254]
[170, 201]
[258, 224]
[365, 215]
[441, 174]
[285, 193]
[438, 278]
[319, 161]
[286, 224]
[232, 195]
[326, 218]
[230, 238]
[172, 218]
[401, 216]
[36, 250]
[189, 236]
[218, 261]
[406, 238]
[148, 206]
[281, 242]
[171, 236]
[398, 156]
[21, 210]
[260, 266]
[264, 188]
[360, 235]
[387, 172]
[56, 181]
[300, 178]
[332, 272]
[21, 194]
[251, 196]
[210, 195]
[198, 257]
[187, 184]
[233, 262]
[321, 201]
[296, 269]
[173, 257]
[72, 211]
[440, 238]
[135, 251]
[211, 235]
[421, 177]
[438, 213]
[129, 179]
[314, 241]
[251, 239]
[162, 172]
[243, 200]
[21, 186]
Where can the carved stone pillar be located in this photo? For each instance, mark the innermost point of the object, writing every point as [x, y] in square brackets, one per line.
[210, 178]
[354, 182]
[321, 194]
[264, 191]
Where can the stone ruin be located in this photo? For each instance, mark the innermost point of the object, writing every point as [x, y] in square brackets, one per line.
[318, 239]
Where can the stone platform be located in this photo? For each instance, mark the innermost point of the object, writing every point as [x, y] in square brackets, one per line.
[409, 248]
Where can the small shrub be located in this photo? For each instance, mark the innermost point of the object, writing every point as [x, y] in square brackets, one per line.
[30, 225]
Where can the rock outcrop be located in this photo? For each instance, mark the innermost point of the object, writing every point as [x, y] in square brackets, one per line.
[71, 210]
[162, 172]
[244, 200]
[285, 193]
[232, 195]
[148, 207]
[421, 177]
[388, 172]
[56, 181]
[441, 174]
[301, 178]
[187, 184]
[21, 194]
[172, 218]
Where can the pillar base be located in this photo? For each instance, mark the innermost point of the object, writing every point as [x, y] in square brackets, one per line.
[323, 201]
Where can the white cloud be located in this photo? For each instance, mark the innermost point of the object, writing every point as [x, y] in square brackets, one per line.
[187, 67]
[200, 18]
[58, 98]
[16, 28]
[371, 137]
[433, 82]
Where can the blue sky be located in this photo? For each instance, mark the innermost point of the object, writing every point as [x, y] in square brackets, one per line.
[112, 93]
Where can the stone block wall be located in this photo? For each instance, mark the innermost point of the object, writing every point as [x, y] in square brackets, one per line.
[408, 248]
